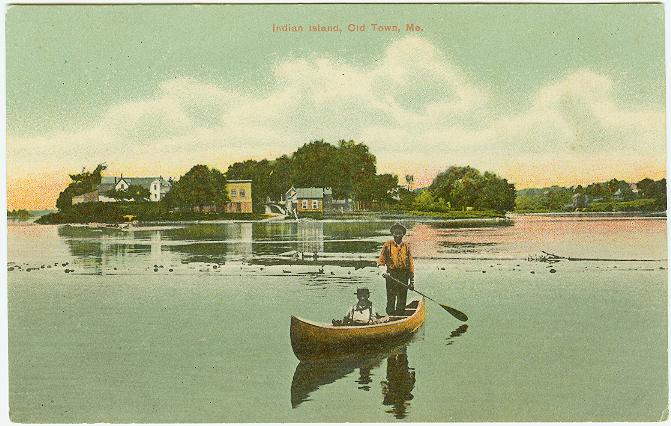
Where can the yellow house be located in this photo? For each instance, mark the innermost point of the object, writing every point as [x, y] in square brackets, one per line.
[240, 196]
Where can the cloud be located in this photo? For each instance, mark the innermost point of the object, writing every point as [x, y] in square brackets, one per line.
[417, 111]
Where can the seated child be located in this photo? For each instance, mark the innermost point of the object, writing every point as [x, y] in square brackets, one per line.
[362, 312]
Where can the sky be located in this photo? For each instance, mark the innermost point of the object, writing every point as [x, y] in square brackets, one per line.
[539, 94]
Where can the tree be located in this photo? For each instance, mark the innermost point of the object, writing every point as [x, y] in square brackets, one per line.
[355, 163]
[496, 194]
[598, 191]
[385, 188]
[377, 188]
[280, 177]
[646, 188]
[424, 201]
[198, 188]
[457, 185]
[660, 194]
[557, 198]
[462, 187]
[82, 183]
[133, 192]
[407, 198]
[316, 164]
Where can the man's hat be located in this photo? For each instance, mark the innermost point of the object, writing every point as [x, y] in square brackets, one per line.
[398, 225]
[362, 292]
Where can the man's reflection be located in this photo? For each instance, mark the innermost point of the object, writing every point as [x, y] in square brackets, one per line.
[397, 389]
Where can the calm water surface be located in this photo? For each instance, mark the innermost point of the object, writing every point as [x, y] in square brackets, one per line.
[190, 323]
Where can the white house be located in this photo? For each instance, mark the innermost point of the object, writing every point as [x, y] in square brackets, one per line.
[157, 187]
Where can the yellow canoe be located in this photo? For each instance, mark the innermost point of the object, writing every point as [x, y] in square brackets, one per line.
[312, 340]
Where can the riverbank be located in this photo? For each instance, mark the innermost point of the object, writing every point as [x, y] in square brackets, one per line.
[116, 213]
[116, 217]
[592, 214]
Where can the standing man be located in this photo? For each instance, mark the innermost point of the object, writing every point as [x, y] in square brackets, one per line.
[397, 258]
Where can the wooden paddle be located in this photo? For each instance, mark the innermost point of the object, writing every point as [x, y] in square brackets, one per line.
[454, 312]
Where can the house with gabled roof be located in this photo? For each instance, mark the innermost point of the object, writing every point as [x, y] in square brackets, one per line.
[308, 200]
[158, 187]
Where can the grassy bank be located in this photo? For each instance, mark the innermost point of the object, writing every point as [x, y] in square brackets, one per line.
[647, 205]
[409, 214]
[144, 212]
[473, 214]
[157, 212]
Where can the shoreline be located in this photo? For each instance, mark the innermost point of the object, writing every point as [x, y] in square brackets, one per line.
[661, 214]
[385, 216]
[379, 217]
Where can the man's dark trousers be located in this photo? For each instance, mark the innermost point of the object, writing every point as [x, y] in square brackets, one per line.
[397, 294]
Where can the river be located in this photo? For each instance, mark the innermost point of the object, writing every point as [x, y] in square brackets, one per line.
[190, 323]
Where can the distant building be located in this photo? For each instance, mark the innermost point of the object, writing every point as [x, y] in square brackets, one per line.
[157, 187]
[345, 205]
[626, 192]
[579, 201]
[308, 200]
[240, 196]
[90, 197]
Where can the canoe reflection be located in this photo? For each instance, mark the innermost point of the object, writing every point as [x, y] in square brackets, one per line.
[397, 386]
[396, 389]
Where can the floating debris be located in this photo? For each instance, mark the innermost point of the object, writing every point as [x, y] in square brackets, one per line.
[552, 271]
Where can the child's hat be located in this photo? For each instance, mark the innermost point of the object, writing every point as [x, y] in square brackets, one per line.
[362, 292]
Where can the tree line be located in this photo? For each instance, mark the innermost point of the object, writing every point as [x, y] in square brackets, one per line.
[614, 194]
[347, 167]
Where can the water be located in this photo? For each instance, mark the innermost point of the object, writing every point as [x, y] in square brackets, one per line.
[124, 339]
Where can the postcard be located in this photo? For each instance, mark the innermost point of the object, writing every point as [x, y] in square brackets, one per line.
[309, 213]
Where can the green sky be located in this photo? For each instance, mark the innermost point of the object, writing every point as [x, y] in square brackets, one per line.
[70, 69]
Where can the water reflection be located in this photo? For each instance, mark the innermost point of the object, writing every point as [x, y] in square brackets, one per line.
[97, 249]
[397, 385]
[397, 389]
[348, 244]
[310, 376]
[456, 333]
